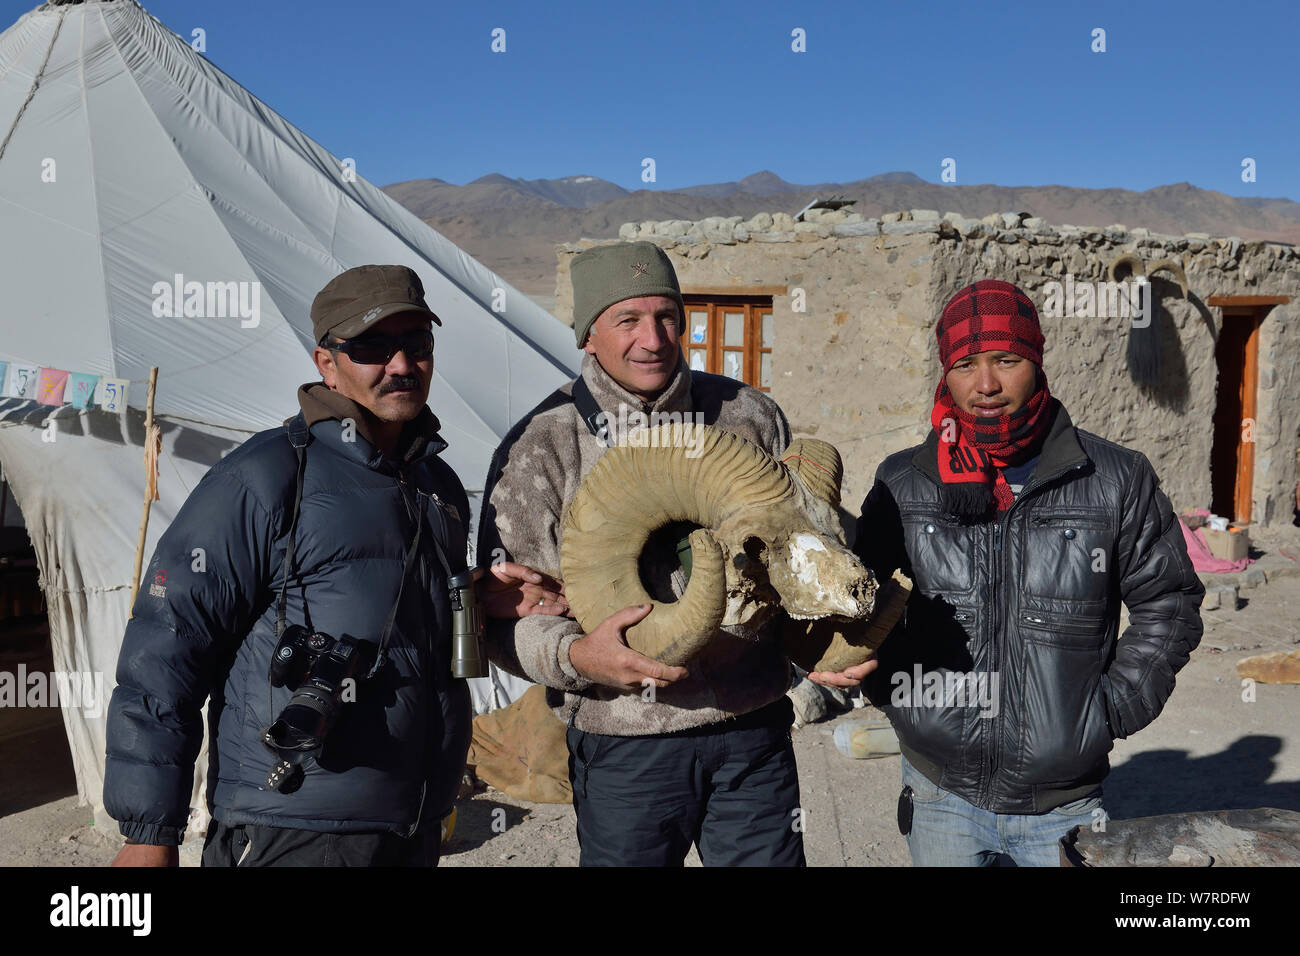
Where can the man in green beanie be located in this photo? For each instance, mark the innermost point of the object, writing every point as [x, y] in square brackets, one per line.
[704, 758]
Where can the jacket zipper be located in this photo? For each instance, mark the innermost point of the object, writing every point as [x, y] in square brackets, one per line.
[1000, 526]
[1046, 625]
[1082, 521]
[992, 738]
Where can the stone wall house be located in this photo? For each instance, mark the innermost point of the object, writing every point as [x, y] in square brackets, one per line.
[854, 361]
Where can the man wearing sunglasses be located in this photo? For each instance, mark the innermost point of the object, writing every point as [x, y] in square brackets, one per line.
[344, 522]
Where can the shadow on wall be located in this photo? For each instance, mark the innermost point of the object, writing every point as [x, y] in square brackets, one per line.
[1172, 781]
[1171, 388]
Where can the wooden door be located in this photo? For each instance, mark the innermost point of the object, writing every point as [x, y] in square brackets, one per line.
[1232, 458]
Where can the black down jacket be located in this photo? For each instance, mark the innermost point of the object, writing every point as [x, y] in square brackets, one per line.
[200, 627]
[1018, 618]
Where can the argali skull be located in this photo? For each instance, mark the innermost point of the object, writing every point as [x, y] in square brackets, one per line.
[1137, 267]
[767, 537]
[1143, 350]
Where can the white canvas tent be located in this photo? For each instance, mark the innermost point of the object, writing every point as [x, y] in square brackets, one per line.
[127, 159]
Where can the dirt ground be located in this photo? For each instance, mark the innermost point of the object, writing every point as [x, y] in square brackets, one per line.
[1209, 750]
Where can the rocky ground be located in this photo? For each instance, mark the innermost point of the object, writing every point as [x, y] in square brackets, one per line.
[1211, 749]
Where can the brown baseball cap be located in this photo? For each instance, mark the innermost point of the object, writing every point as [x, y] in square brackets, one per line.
[354, 301]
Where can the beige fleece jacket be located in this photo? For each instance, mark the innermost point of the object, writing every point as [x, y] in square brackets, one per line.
[534, 477]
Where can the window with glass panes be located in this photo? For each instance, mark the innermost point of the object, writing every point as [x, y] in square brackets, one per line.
[730, 335]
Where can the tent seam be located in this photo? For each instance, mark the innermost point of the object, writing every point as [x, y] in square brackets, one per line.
[94, 189]
[342, 194]
[36, 82]
[216, 129]
[37, 212]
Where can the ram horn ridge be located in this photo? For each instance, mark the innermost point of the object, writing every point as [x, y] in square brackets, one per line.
[1134, 262]
[817, 464]
[1139, 268]
[681, 473]
[1170, 265]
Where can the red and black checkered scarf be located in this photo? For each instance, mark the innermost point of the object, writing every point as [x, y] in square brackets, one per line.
[988, 315]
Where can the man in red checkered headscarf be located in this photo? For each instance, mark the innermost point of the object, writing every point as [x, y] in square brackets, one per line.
[992, 407]
[1006, 681]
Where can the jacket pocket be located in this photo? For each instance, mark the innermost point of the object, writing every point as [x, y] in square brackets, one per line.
[942, 552]
[931, 712]
[1063, 629]
[1064, 731]
[1068, 559]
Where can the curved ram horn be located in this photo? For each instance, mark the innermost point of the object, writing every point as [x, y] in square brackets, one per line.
[817, 464]
[1133, 261]
[1170, 265]
[830, 645]
[673, 473]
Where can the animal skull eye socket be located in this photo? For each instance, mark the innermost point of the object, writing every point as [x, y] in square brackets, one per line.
[756, 549]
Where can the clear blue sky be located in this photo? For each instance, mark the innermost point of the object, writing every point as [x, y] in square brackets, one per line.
[713, 91]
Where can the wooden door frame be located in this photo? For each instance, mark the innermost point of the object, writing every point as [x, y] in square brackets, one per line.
[1243, 491]
[1255, 308]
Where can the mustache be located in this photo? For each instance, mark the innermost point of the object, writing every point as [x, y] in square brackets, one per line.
[399, 383]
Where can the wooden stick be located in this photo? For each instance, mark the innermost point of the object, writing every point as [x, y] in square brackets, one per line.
[150, 490]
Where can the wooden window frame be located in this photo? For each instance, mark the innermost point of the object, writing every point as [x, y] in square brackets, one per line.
[752, 349]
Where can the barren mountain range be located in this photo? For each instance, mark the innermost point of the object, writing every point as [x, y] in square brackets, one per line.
[513, 225]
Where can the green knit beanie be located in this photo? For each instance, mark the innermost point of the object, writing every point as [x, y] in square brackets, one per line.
[603, 275]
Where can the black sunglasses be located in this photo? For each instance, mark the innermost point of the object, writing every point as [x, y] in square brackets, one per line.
[379, 349]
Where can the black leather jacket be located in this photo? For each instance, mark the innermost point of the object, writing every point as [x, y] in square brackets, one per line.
[1026, 605]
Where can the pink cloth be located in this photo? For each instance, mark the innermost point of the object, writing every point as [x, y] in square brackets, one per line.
[1199, 551]
[50, 389]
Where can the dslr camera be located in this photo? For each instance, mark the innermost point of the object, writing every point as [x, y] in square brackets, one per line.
[316, 667]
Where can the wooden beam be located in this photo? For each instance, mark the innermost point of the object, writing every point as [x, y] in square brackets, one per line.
[735, 290]
[1237, 301]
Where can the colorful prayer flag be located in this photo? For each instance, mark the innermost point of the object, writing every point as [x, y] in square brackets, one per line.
[21, 381]
[81, 389]
[110, 395]
[49, 388]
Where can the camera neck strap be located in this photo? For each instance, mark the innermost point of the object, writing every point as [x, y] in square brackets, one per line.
[282, 603]
[411, 552]
[593, 416]
[299, 437]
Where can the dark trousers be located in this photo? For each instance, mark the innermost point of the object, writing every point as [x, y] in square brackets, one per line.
[732, 789]
[249, 845]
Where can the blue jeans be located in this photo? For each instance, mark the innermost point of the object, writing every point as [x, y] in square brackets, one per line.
[948, 831]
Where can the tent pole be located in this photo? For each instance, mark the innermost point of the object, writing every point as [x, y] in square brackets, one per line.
[152, 441]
